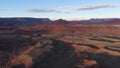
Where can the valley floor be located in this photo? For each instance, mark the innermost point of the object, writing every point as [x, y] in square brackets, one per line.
[60, 47]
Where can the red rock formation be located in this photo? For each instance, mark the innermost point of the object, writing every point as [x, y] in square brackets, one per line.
[72, 29]
[90, 63]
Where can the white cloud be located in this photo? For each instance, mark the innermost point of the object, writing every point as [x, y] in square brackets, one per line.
[71, 9]
[92, 7]
[45, 11]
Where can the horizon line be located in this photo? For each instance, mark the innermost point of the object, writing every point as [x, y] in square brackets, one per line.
[69, 19]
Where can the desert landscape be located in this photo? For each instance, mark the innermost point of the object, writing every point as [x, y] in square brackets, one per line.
[60, 43]
[59, 33]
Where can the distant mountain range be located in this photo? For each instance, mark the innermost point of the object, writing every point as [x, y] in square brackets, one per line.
[22, 21]
[47, 21]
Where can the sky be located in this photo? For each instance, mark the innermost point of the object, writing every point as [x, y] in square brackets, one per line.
[56, 9]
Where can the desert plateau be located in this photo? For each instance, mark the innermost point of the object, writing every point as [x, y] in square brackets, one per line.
[56, 45]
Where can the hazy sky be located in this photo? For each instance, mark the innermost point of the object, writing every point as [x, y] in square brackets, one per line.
[55, 9]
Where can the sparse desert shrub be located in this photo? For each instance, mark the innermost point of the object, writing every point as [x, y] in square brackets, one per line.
[103, 40]
[114, 37]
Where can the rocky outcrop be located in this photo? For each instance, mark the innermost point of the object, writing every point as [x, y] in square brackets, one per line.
[90, 63]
